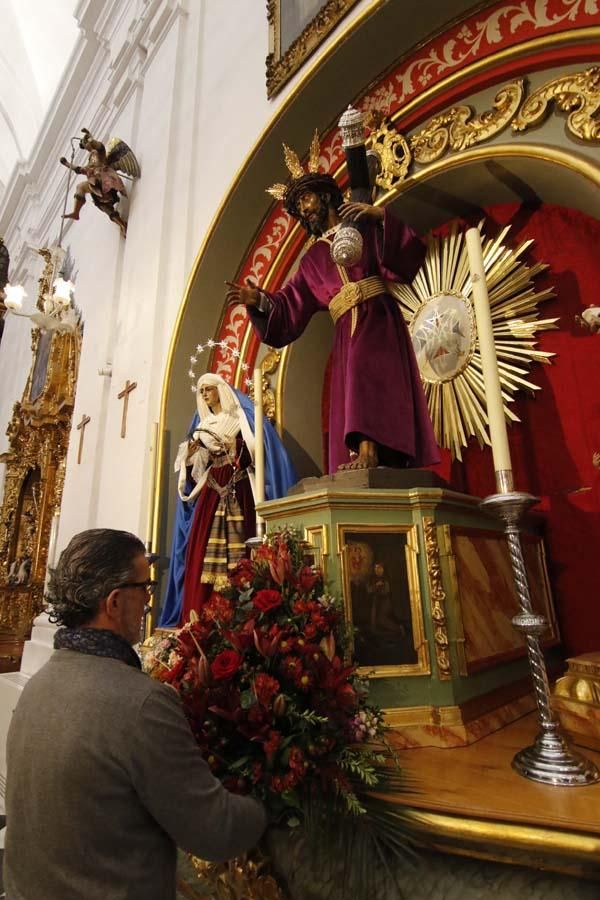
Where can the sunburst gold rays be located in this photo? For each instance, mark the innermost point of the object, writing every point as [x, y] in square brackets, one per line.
[437, 307]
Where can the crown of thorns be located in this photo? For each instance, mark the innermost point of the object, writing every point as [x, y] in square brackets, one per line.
[310, 180]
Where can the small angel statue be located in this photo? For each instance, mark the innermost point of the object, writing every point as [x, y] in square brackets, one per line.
[103, 182]
[590, 318]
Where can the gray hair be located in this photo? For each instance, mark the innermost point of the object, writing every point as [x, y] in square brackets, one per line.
[93, 564]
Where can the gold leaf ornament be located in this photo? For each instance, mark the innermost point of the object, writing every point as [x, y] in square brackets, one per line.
[577, 93]
[459, 128]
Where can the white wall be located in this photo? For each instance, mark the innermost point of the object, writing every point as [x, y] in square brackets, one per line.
[183, 82]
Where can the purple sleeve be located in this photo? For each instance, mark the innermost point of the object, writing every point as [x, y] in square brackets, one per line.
[401, 251]
[292, 308]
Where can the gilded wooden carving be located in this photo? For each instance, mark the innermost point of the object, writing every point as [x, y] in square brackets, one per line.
[394, 155]
[38, 435]
[438, 599]
[268, 366]
[459, 127]
[577, 93]
[283, 60]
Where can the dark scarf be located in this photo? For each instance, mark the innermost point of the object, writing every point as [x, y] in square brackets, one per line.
[97, 642]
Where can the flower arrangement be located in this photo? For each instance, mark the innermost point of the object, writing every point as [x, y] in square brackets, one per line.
[263, 673]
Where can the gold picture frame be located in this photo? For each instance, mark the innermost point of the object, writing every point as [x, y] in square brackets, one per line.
[482, 583]
[317, 536]
[382, 599]
[296, 28]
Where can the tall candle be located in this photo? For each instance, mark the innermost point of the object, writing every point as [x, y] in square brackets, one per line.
[489, 362]
[259, 444]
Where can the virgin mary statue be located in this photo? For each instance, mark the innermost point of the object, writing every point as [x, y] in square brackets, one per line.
[215, 511]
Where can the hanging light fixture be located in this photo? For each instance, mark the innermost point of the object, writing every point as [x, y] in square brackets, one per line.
[57, 312]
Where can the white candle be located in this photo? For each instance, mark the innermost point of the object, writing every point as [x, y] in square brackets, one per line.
[489, 362]
[52, 540]
[259, 444]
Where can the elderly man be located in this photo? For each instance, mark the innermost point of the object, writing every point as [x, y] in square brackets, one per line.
[104, 777]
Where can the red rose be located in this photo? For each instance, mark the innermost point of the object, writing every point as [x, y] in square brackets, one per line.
[225, 664]
[266, 600]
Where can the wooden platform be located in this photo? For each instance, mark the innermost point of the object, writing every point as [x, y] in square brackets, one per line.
[469, 800]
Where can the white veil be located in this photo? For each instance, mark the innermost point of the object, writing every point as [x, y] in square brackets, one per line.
[222, 426]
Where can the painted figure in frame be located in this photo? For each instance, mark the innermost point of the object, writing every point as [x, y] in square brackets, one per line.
[378, 412]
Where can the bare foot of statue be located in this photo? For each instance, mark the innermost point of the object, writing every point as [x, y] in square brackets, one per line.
[365, 459]
[73, 215]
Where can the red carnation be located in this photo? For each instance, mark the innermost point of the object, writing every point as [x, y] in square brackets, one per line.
[266, 600]
[265, 688]
[243, 575]
[225, 664]
[218, 609]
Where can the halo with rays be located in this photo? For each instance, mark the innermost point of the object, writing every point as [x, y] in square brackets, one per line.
[438, 309]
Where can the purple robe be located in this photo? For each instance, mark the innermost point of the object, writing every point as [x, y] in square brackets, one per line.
[376, 390]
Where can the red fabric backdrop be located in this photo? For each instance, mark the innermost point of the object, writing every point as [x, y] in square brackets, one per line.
[552, 446]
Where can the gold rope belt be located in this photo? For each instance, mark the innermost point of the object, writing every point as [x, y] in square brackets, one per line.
[353, 293]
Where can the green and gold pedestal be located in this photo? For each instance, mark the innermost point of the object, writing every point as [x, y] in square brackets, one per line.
[427, 582]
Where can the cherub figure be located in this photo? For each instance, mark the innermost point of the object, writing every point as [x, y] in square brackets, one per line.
[103, 183]
[590, 318]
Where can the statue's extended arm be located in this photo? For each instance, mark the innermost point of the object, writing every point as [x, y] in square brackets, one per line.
[65, 162]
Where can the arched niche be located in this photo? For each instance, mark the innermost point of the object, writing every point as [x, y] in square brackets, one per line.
[232, 245]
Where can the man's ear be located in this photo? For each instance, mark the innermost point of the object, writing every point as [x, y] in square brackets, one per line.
[112, 603]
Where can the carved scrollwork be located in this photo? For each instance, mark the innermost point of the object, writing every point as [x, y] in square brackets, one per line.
[577, 94]
[35, 468]
[394, 155]
[459, 128]
[246, 878]
[268, 366]
[437, 600]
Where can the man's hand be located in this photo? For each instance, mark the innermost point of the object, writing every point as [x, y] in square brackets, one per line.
[64, 161]
[246, 294]
[354, 212]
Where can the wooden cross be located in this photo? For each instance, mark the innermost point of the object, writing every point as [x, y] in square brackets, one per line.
[81, 429]
[124, 395]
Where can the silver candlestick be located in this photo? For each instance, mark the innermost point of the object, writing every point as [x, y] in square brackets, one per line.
[550, 758]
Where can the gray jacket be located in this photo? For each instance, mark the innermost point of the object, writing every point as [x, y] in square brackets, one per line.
[104, 782]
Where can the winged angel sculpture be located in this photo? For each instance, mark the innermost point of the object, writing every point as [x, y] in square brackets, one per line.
[103, 183]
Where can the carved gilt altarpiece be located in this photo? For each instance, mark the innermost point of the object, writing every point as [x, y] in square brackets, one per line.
[38, 435]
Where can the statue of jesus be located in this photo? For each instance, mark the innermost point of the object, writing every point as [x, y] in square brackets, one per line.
[378, 413]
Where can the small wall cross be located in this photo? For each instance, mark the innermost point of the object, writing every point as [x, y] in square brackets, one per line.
[81, 429]
[124, 395]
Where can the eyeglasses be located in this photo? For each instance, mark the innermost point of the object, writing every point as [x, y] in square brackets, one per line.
[149, 586]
